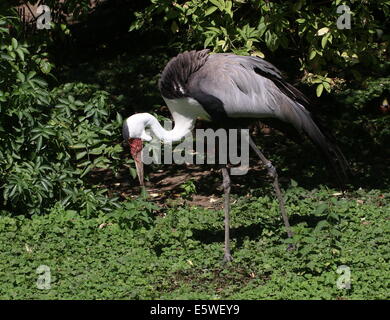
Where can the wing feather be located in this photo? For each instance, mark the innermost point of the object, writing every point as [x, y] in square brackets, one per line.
[249, 87]
[246, 86]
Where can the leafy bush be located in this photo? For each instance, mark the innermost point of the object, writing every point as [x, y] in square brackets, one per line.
[305, 28]
[370, 105]
[76, 8]
[50, 139]
[188, 188]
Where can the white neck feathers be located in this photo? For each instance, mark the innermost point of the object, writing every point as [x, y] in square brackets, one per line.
[184, 111]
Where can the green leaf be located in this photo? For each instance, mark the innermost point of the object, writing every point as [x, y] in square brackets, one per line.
[14, 43]
[320, 88]
[174, 27]
[105, 132]
[324, 40]
[210, 10]
[188, 233]
[322, 31]
[80, 155]
[45, 66]
[320, 209]
[321, 225]
[39, 143]
[294, 183]
[219, 4]
[20, 53]
[6, 56]
[31, 75]
[119, 118]
[228, 8]
[78, 146]
[208, 41]
[258, 53]
[87, 169]
[327, 86]
[21, 77]
[133, 172]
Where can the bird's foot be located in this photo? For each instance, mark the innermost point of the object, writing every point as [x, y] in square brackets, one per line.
[227, 257]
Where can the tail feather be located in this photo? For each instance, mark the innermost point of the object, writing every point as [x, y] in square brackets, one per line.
[305, 122]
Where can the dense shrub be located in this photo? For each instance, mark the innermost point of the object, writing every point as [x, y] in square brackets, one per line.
[50, 139]
[304, 30]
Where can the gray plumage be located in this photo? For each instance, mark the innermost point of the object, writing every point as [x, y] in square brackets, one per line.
[125, 132]
[232, 87]
[174, 80]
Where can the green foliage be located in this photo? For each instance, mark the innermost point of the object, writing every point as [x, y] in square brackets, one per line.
[51, 139]
[304, 28]
[373, 88]
[188, 188]
[76, 8]
[134, 214]
[178, 254]
[367, 102]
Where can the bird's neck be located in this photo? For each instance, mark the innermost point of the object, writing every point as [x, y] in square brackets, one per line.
[182, 126]
[184, 112]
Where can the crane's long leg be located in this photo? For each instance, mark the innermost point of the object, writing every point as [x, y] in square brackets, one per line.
[226, 208]
[273, 174]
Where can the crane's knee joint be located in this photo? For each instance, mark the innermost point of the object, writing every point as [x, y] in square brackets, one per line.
[271, 169]
[269, 165]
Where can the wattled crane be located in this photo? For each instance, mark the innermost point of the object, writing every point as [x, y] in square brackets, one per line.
[228, 91]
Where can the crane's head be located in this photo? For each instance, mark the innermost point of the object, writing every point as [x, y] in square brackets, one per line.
[134, 133]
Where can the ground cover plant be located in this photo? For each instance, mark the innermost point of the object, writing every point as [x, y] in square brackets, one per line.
[140, 252]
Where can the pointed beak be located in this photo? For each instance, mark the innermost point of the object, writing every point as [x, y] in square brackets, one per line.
[136, 152]
[139, 166]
